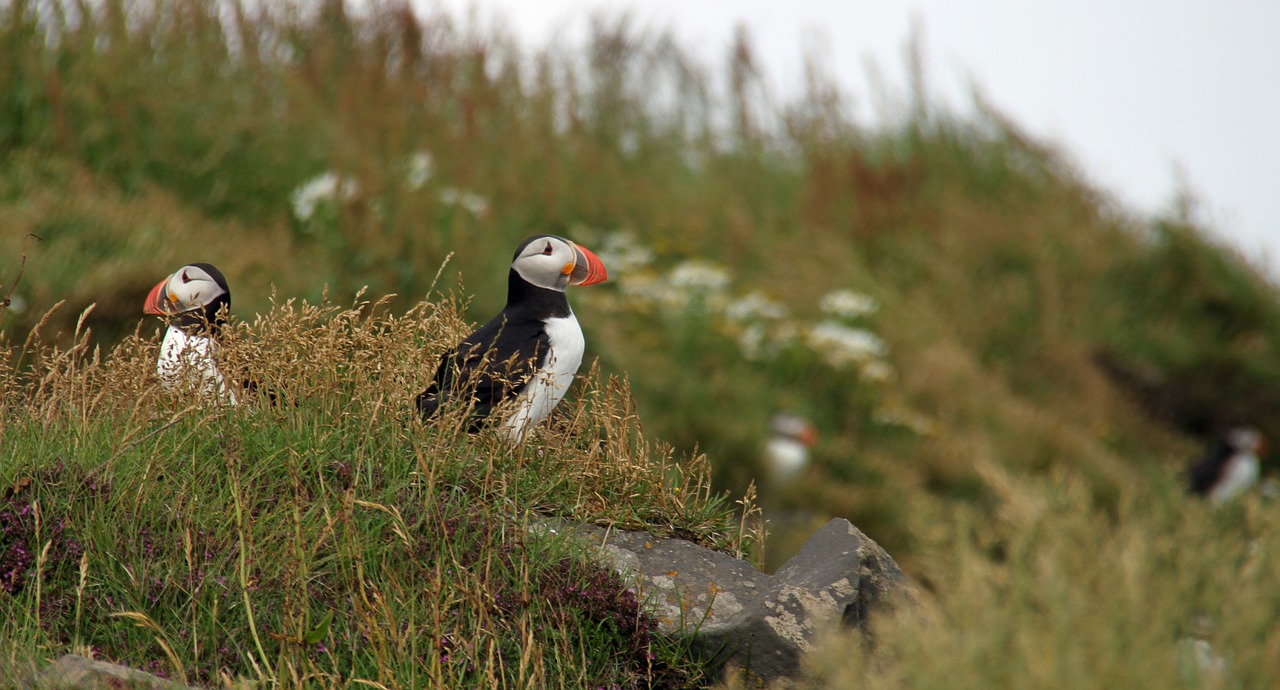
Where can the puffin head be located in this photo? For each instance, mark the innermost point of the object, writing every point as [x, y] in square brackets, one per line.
[552, 262]
[794, 427]
[192, 288]
[1246, 439]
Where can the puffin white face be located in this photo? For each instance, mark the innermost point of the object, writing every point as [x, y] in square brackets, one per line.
[1246, 439]
[794, 427]
[552, 262]
[189, 288]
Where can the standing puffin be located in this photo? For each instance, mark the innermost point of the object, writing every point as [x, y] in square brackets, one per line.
[787, 452]
[195, 301]
[1230, 467]
[530, 351]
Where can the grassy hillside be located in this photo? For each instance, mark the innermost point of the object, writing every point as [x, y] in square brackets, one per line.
[1001, 361]
[329, 537]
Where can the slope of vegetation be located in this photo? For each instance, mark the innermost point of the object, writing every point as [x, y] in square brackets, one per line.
[1005, 367]
[321, 534]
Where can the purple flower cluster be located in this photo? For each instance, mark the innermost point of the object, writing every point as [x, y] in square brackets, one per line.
[16, 552]
[19, 547]
[450, 651]
[583, 595]
[62, 600]
[578, 593]
[565, 594]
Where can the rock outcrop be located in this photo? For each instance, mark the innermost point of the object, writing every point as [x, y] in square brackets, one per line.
[748, 621]
[752, 622]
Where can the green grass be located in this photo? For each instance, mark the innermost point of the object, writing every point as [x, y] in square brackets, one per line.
[1054, 592]
[1036, 336]
[332, 537]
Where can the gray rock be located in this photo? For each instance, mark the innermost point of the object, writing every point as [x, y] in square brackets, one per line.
[72, 672]
[749, 621]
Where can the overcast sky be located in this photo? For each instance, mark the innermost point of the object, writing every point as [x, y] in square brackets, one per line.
[1133, 90]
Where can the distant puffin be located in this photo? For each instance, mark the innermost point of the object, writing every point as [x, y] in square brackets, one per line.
[787, 452]
[195, 301]
[1230, 467]
[530, 351]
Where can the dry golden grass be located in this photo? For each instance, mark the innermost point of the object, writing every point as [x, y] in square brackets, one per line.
[1055, 592]
[355, 542]
[1001, 275]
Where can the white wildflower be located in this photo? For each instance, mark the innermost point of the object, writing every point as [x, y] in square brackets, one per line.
[841, 346]
[751, 342]
[876, 371]
[648, 289]
[329, 186]
[474, 204]
[847, 304]
[623, 254]
[418, 169]
[691, 283]
[755, 306]
[761, 340]
[699, 277]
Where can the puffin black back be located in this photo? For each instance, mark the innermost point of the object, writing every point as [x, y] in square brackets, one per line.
[488, 367]
[496, 363]
[1205, 472]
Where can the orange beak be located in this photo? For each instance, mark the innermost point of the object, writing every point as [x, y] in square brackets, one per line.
[158, 299]
[588, 269]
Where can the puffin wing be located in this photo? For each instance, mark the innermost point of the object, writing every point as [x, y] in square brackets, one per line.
[1205, 472]
[488, 368]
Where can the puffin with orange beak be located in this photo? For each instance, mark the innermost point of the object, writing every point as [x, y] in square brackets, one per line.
[787, 452]
[196, 302]
[527, 355]
[1230, 467]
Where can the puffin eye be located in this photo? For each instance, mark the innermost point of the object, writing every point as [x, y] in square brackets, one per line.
[547, 250]
[185, 277]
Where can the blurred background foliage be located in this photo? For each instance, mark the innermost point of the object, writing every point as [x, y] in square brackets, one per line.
[1021, 319]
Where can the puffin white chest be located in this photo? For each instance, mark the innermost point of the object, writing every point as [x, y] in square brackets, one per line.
[1238, 476]
[552, 379]
[187, 365]
[786, 457]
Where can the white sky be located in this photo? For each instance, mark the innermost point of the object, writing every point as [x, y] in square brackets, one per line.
[1139, 93]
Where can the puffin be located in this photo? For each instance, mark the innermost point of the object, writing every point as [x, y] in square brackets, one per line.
[526, 356]
[1229, 467]
[195, 302]
[787, 452]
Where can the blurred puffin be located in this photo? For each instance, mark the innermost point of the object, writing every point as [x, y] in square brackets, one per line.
[787, 452]
[195, 301]
[530, 351]
[1230, 467]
